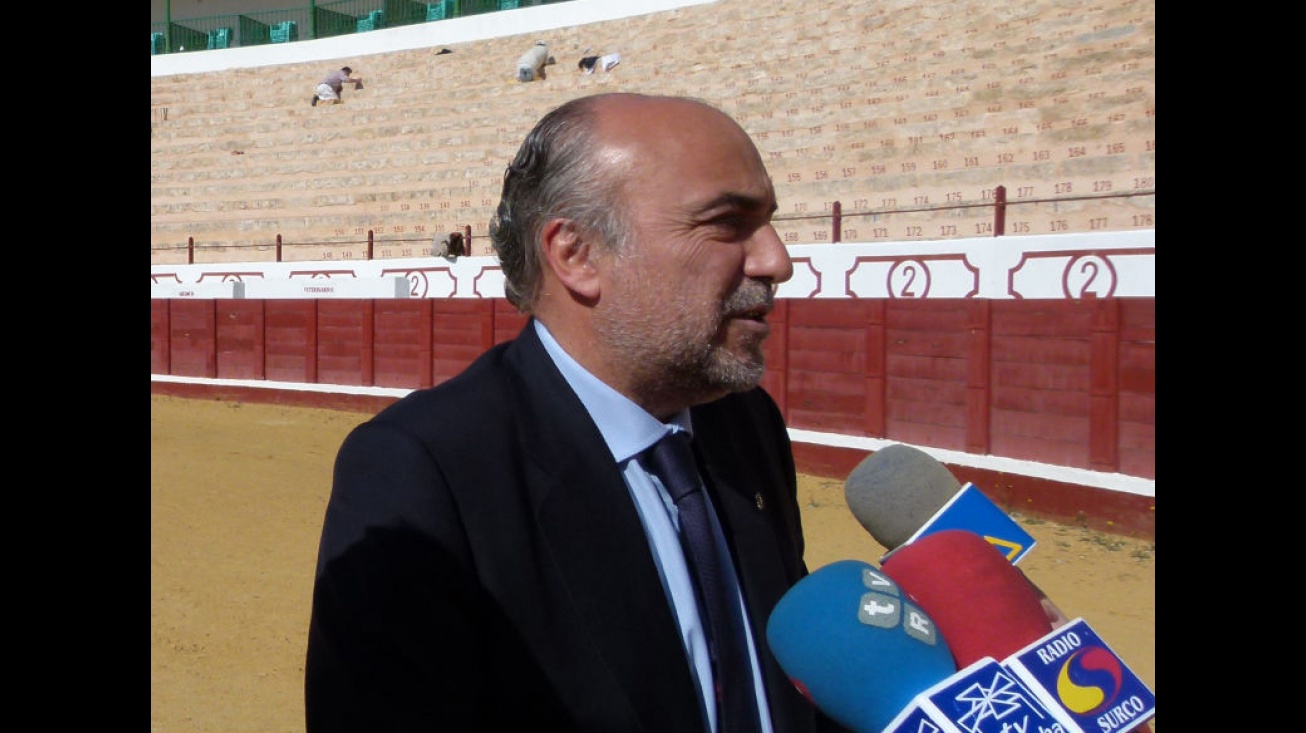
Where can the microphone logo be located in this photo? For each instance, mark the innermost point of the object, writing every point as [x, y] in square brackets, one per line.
[1072, 669]
[1089, 681]
[972, 511]
[982, 698]
[986, 702]
[884, 607]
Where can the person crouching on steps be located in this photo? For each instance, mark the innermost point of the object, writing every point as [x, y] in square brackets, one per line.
[334, 84]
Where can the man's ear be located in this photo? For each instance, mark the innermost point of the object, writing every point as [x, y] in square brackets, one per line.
[569, 252]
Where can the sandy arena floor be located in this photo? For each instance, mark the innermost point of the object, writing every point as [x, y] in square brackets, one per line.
[237, 493]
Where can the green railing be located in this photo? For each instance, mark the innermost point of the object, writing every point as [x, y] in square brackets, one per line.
[317, 20]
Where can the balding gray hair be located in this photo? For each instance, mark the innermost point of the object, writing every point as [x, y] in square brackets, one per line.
[555, 175]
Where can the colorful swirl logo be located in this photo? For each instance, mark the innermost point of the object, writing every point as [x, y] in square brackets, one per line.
[1089, 681]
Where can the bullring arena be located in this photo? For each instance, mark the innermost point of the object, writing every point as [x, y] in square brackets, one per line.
[967, 190]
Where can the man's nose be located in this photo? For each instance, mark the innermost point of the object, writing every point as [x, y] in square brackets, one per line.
[767, 257]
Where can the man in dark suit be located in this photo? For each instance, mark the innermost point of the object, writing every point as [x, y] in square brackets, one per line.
[527, 574]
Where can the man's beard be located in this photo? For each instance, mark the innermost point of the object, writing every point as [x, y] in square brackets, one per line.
[688, 362]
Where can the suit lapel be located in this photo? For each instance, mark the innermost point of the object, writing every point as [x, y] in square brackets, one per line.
[746, 476]
[598, 546]
[739, 493]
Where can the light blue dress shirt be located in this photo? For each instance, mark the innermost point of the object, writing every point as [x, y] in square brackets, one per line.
[629, 430]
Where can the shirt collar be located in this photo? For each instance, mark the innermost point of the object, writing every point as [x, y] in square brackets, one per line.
[626, 427]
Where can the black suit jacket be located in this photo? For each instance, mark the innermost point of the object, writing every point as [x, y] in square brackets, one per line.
[483, 568]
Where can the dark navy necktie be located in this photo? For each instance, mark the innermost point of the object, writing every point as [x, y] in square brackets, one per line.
[673, 460]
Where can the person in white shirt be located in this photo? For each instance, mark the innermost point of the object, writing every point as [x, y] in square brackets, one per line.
[530, 66]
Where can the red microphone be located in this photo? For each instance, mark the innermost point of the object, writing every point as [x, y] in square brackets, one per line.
[981, 603]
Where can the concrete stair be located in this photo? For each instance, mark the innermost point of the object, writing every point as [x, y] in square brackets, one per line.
[894, 109]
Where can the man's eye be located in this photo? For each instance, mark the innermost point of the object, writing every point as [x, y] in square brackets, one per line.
[730, 223]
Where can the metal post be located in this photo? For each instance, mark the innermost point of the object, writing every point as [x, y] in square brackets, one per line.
[1000, 211]
[370, 243]
[278, 248]
[190, 250]
[467, 238]
[838, 222]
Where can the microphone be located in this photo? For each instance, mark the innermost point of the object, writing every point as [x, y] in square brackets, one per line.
[952, 551]
[988, 609]
[903, 496]
[986, 697]
[1066, 682]
[983, 605]
[894, 491]
[900, 494]
[853, 643]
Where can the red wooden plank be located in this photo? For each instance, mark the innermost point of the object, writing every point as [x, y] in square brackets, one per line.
[927, 315]
[1042, 380]
[1046, 349]
[947, 392]
[1045, 401]
[402, 343]
[160, 337]
[1138, 320]
[979, 386]
[1040, 375]
[927, 413]
[1041, 317]
[917, 433]
[842, 386]
[345, 341]
[943, 369]
[507, 321]
[828, 362]
[841, 313]
[877, 350]
[827, 339]
[192, 348]
[239, 338]
[1138, 408]
[1044, 426]
[821, 421]
[290, 341]
[1138, 449]
[954, 343]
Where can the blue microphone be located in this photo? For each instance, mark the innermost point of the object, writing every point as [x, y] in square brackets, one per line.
[855, 645]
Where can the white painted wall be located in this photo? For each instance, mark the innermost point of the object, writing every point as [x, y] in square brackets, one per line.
[1053, 266]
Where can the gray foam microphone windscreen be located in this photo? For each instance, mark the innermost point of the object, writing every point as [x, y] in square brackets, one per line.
[895, 490]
